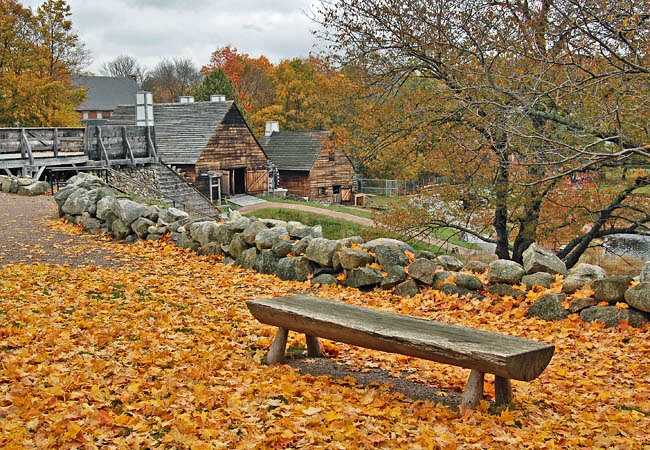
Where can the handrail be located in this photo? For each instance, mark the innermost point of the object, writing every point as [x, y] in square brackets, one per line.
[162, 163]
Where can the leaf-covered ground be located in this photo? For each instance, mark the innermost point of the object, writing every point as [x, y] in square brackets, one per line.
[162, 353]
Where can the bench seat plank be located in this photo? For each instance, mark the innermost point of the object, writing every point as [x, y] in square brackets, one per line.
[502, 355]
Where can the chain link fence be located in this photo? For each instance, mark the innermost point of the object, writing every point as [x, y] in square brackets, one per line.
[386, 188]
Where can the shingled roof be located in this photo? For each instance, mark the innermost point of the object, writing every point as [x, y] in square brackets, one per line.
[294, 150]
[182, 130]
[105, 93]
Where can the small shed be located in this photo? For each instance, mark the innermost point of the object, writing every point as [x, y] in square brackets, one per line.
[203, 137]
[103, 95]
[310, 165]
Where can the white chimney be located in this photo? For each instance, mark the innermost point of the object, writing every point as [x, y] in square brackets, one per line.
[271, 126]
[144, 109]
[187, 99]
[218, 98]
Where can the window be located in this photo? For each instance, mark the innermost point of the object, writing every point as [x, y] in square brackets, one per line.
[331, 155]
[99, 115]
[86, 115]
[322, 191]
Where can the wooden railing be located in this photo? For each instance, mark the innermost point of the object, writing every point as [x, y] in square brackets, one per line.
[30, 141]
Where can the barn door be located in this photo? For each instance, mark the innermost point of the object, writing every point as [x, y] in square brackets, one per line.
[346, 194]
[257, 181]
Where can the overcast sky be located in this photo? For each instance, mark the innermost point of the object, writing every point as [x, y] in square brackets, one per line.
[152, 29]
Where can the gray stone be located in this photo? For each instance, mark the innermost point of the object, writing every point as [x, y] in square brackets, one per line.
[538, 259]
[449, 262]
[645, 273]
[581, 275]
[426, 254]
[239, 225]
[324, 278]
[321, 250]
[154, 237]
[223, 235]
[348, 241]
[90, 224]
[476, 266]
[234, 216]
[153, 213]
[467, 281]
[269, 237]
[141, 227]
[154, 229]
[578, 304]
[502, 289]
[611, 289]
[439, 277]
[394, 276]
[370, 245]
[252, 230]
[422, 270]
[247, 258]
[639, 296]
[106, 206]
[389, 255]
[272, 223]
[185, 241]
[130, 239]
[363, 277]
[34, 189]
[237, 245]
[282, 248]
[7, 182]
[301, 246]
[77, 203]
[120, 229]
[505, 271]
[204, 232]
[173, 214]
[548, 307]
[611, 316]
[294, 268]
[409, 288]
[175, 236]
[297, 230]
[267, 262]
[320, 269]
[228, 260]
[212, 248]
[128, 211]
[542, 279]
[177, 224]
[24, 181]
[451, 289]
[316, 231]
[350, 258]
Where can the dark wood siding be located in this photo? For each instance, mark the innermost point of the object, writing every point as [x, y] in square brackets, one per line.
[295, 182]
[326, 173]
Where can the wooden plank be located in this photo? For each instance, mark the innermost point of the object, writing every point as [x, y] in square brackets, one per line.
[55, 142]
[502, 391]
[502, 355]
[473, 393]
[276, 353]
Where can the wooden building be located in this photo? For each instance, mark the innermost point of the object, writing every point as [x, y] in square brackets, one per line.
[309, 165]
[103, 95]
[202, 137]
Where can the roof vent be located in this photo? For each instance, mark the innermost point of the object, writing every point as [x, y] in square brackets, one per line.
[271, 126]
[187, 99]
[144, 109]
[218, 98]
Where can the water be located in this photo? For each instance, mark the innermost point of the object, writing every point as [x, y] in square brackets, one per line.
[627, 245]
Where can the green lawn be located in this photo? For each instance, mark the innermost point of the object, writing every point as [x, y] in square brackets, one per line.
[353, 210]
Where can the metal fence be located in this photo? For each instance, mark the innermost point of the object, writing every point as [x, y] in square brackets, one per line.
[386, 188]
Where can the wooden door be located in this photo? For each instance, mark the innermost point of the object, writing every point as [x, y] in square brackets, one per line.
[257, 181]
[346, 194]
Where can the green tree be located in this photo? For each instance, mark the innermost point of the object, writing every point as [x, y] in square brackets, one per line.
[216, 82]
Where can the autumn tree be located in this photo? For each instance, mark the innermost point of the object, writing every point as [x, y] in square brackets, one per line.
[513, 98]
[124, 66]
[172, 78]
[37, 53]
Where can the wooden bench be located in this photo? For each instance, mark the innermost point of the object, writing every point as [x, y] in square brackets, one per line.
[506, 357]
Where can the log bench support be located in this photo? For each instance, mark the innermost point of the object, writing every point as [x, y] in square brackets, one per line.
[506, 357]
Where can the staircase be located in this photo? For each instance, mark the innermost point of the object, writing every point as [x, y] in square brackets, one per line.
[182, 194]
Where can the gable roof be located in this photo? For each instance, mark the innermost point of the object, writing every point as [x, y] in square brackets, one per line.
[182, 130]
[294, 150]
[105, 93]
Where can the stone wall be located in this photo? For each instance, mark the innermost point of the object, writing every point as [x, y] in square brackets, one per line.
[294, 251]
[23, 186]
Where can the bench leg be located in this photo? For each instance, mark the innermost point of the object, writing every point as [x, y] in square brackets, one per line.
[474, 390]
[313, 346]
[502, 390]
[276, 353]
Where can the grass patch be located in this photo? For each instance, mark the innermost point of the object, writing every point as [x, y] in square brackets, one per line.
[355, 211]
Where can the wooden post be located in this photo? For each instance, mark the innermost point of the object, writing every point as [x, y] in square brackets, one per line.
[313, 346]
[151, 148]
[276, 353]
[474, 390]
[27, 147]
[127, 146]
[55, 142]
[101, 146]
[502, 390]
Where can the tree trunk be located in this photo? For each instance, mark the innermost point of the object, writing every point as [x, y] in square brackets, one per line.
[501, 185]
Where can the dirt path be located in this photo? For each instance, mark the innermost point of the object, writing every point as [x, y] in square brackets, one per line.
[350, 218]
[25, 236]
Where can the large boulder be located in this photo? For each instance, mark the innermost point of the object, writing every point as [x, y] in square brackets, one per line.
[449, 262]
[348, 241]
[78, 202]
[267, 262]
[351, 258]
[505, 271]
[252, 230]
[90, 224]
[542, 279]
[321, 251]
[9, 183]
[363, 277]
[409, 288]
[223, 235]
[394, 275]
[370, 245]
[645, 273]
[452, 289]
[426, 254]
[324, 278]
[237, 245]
[390, 255]
[611, 289]
[128, 210]
[548, 307]
[269, 237]
[300, 247]
[211, 248]
[538, 259]
[578, 304]
[295, 269]
[204, 232]
[36, 188]
[173, 214]
[581, 275]
[422, 270]
[297, 230]
[639, 296]
[502, 290]
[467, 281]
[440, 277]
[238, 226]
[272, 223]
[247, 258]
[120, 230]
[611, 316]
[105, 207]
[141, 227]
[283, 248]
